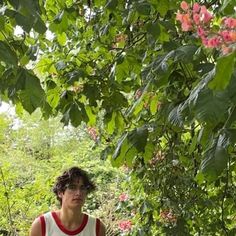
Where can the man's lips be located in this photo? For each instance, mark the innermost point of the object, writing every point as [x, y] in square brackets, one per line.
[77, 199]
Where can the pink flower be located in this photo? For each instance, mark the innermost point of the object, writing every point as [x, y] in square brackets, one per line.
[226, 35]
[123, 197]
[206, 16]
[92, 133]
[184, 5]
[186, 22]
[186, 27]
[196, 19]
[179, 16]
[233, 36]
[125, 225]
[204, 41]
[230, 22]
[201, 32]
[214, 42]
[226, 50]
[196, 7]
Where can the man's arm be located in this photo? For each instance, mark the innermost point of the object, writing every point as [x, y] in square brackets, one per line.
[36, 229]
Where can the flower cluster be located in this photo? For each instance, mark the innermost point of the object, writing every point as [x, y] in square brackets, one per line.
[92, 133]
[123, 197]
[198, 19]
[158, 157]
[168, 216]
[125, 225]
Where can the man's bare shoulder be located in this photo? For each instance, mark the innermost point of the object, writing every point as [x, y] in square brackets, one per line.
[36, 229]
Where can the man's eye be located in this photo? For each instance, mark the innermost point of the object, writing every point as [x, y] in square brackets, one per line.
[72, 187]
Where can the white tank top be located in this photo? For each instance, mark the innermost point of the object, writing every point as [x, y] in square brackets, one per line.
[52, 226]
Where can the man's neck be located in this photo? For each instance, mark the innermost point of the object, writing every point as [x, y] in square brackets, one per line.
[71, 218]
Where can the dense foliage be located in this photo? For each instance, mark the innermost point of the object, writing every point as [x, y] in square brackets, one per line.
[162, 103]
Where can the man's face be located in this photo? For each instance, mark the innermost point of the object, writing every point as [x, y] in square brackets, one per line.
[75, 194]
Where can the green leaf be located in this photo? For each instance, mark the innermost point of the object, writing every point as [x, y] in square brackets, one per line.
[53, 97]
[143, 8]
[7, 55]
[199, 178]
[60, 65]
[148, 152]
[91, 116]
[24, 60]
[61, 38]
[211, 107]
[59, 17]
[185, 53]
[32, 95]
[154, 29]
[193, 144]
[215, 161]
[205, 136]
[224, 71]
[228, 7]
[129, 156]
[154, 104]
[15, 3]
[111, 125]
[75, 115]
[25, 22]
[39, 26]
[162, 7]
[111, 4]
[120, 123]
[138, 138]
[120, 151]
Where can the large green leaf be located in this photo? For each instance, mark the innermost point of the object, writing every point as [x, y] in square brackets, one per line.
[138, 138]
[39, 26]
[120, 151]
[224, 70]
[211, 107]
[228, 7]
[75, 115]
[215, 159]
[7, 55]
[129, 145]
[32, 95]
[185, 53]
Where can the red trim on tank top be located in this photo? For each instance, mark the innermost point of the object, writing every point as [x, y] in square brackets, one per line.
[98, 224]
[43, 225]
[66, 231]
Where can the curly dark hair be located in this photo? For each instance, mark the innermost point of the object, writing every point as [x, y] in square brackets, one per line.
[68, 177]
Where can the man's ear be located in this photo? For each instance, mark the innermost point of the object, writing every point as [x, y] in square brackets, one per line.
[60, 195]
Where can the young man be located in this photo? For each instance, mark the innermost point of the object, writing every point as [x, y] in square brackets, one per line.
[71, 189]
